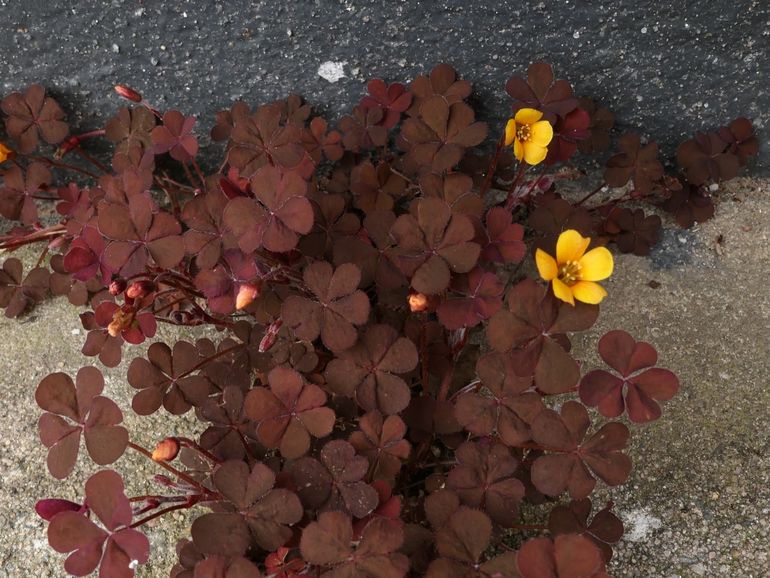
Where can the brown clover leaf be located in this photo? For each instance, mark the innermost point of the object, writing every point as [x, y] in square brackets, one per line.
[456, 189]
[375, 188]
[175, 137]
[602, 120]
[17, 292]
[740, 138]
[75, 408]
[336, 482]
[317, 141]
[130, 129]
[363, 129]
[570, 462]
[566, 556]
[508, 406]
[253, 511]
[393, 98]
[437, 138]
[605, 527]
[635, 161]
[533, 326]
[17, 200]
[289, 412]
[261, 139]
[31, 115]
[461, 542]
[434, 244]
[483, 479]
[472, 298]
[690, 204]
[635, 391]
[337, 307]
[632, 231]
[328, 542]
[382, 441]
[706, 157]
[206, 235]
[369, 250]
[331, 222]
[442, 81]
[541, 92]
[226, 437]
[139, 231]
[115, 548]
[166, 378]
[280, 213]
[502, 239]
[369, 369]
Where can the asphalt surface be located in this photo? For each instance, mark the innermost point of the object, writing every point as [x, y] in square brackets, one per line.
[665, 68]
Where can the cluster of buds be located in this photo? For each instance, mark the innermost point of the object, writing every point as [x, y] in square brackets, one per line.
[139, 289]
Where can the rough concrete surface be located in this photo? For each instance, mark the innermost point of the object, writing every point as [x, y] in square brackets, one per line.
[667, 68]
[698, 501]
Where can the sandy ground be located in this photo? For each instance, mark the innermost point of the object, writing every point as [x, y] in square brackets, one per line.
[698, 500]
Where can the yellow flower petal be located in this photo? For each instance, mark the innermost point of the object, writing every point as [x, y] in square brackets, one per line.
[518, 150]
[596, 265]
[562, 291]
[534, 154]
[546, 265]
[528, 116]
[571, 246]
[588, 292]
[510, 132]
[541, 133]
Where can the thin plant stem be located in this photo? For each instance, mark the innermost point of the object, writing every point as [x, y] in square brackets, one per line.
[492, 166]
[181, 475]
[591, 194]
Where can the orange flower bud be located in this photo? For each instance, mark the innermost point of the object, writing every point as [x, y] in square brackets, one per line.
[128, 93]
[247, 292]
[5, 153]
[418, 302]
[166, 450]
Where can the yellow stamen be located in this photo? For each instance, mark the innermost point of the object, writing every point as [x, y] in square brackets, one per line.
[569, 273]
[523, 132]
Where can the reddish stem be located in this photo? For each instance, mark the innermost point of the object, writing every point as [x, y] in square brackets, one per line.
[193, 445]
[492, 167]
[188, 504]
[591, 194]
[212, 358]
[510, 200]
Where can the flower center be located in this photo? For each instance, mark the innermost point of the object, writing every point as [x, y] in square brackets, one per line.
[569, 273]
[523, 132]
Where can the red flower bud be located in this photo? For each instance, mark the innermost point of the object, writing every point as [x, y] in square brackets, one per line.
[139, 289]
[128, 93]
[271, 335]
[166, 450]
[117, 286]
[247, 292]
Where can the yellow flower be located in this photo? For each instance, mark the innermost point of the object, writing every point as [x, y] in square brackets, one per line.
[529, 135]
[5, 153]
[573, 273]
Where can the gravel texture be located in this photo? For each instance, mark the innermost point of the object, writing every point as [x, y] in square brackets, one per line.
[666, 68]
[698, 500]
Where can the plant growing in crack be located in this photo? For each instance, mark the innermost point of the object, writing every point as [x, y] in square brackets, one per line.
[391, 384]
